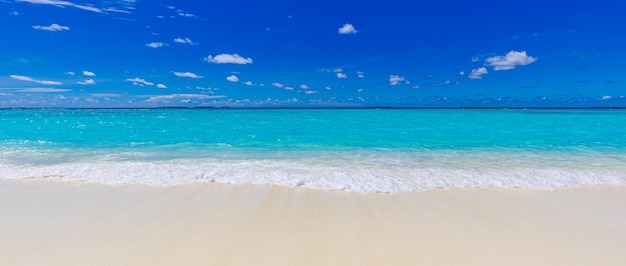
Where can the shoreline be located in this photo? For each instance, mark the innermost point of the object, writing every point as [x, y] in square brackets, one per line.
[77, 223]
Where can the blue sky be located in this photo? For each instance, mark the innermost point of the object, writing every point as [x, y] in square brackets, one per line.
[134, 53]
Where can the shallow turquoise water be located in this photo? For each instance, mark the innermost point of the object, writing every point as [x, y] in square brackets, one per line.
[365, 150]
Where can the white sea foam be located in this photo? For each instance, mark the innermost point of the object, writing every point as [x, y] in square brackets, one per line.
[367, 175]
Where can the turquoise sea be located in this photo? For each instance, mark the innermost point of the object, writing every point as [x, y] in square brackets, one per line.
[362, 150]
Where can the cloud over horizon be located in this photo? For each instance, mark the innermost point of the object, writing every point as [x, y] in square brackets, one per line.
[347, 29]
[140, 82]
[184, 96]
[477, 73]
[187, 75]
[510, 60]
[87, 82]
[155, 44]
[88, 73]
[52, 27]
[183, 41]
[62, 4]
[395, 80]
[26, 78]
[228, 59]
[37, 90]
[232, 78]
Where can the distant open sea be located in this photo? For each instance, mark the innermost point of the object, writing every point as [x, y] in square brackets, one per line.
[361, 150]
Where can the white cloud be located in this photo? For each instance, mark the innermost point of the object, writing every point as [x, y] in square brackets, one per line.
[88, 73]
[342, 76]
[462, 73]
[304, 87]
[42, 90]
[510, 60]
[347, 29]
[337, 70]
[62, 4]
[70, 73]
[607, 97]
[140, 82]
[360, 74]
[395, 80]
[249, 83]
[184, 96]
[87, 82]
[327, 88]
[25, 78]
[161, 86]
[232, 78]
[478, 72]
[155, 44]
[52, 27]
[278, 85]
[187, 15]
[228, 59]
[115, 10]
[311, 92]
[289, 88]
[187, 75]
[183, 40]
[106, 95]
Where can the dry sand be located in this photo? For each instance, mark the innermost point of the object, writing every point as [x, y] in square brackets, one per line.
[45, 222]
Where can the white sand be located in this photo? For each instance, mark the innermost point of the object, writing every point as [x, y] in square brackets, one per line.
[45, 222]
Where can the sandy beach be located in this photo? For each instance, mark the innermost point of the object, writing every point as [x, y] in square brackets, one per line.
[48, 222]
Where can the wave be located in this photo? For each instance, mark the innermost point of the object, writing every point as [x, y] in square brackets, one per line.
[367, 175]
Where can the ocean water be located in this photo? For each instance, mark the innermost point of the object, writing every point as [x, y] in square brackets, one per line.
[361, 150]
